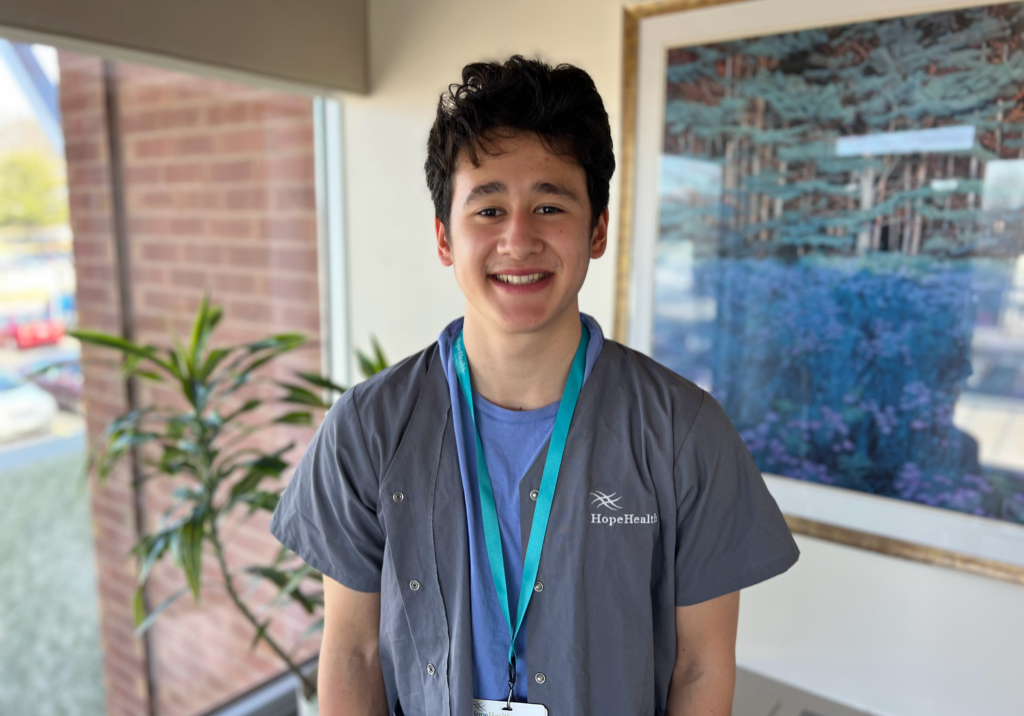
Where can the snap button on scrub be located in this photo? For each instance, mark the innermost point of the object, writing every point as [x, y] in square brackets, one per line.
[533, 495]
[414, 585]
[430, 669]
[540, 678]
[538, 587]
[398, 497]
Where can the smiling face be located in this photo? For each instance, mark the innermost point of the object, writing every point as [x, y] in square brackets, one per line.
[520, 235]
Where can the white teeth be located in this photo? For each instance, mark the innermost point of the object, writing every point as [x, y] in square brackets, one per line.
[517, 280]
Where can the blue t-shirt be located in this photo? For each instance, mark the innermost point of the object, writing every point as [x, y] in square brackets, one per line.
[512, 440]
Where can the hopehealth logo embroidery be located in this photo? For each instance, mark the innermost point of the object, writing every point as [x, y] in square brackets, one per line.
[609, 501]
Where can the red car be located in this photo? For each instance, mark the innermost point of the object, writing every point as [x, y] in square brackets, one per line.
[42, 332]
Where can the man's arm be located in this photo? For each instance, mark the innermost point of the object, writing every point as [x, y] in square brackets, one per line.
[349, 680]
[704, 676]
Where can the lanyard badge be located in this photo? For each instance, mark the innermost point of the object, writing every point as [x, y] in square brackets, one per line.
[489, 511]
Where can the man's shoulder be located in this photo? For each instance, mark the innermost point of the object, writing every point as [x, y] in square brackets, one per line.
[641, 373]
[667, 403]
[395, 390]
[378, 411]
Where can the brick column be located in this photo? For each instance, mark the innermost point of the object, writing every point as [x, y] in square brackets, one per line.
[89, 198]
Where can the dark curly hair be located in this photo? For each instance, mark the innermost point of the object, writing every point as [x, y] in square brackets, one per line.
[558, 104]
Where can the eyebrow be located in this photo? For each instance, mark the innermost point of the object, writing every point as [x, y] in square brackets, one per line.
[543, 187]
[493, 187]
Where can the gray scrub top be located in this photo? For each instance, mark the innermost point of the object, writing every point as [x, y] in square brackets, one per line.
[658, 505]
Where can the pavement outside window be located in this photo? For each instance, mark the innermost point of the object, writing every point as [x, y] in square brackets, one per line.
[50, 655]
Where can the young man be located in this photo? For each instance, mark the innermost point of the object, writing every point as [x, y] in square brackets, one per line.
[526, 515]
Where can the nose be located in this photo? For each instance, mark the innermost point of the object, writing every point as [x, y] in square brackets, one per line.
[520, 238]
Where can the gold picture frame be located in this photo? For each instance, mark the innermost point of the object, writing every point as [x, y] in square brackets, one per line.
[633, 16]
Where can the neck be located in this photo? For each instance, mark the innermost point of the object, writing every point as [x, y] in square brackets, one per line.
[521, 371]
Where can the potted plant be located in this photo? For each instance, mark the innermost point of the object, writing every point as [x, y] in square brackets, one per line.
[210, 449]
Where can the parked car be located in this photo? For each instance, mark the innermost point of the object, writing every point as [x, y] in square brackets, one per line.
[30, 334]
[25, 408]
[60, 375]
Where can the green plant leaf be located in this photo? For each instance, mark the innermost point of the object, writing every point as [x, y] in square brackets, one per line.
[271, 465]
[291, 340]
[365, 364]
[200, 331]
[122, 436]
[261, 633]
[139, 606]
[176, 427]
[192, 550]
[142, 626]
[274, 575]
[282, 343]
[371, 366]
[183, 494]
[179, 367]
[123, 441]
[264, 359]
[261, 467]
[297, 418]
[314, 628]
[301, 396]
[247, 407]
[183, 356]
[382, 361]
[149, 549]
[282, 555]
[291, 588]
[172, 460]
[174, 547]
[262, 501]
[213, 360]
[283, 580]
[106, 340]
[320, 381]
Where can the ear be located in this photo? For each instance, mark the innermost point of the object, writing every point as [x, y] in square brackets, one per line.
[444, 249]
[599, 238]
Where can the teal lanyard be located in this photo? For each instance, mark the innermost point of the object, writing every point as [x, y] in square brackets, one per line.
[541, 513]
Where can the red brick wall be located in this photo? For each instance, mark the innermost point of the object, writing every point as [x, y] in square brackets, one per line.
[220, 196]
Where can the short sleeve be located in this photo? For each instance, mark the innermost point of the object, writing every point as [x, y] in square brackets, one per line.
[328, 512]
[730, 532]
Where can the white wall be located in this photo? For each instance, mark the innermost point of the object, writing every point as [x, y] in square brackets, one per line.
[890, 636]
[887, 635]
[400, 292]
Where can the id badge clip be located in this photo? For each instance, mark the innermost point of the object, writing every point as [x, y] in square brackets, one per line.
[483, 707]
[508, 707]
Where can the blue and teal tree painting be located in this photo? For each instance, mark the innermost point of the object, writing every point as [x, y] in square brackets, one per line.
[840, 250]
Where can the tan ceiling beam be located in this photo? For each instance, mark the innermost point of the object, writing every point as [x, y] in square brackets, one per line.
[320, 45]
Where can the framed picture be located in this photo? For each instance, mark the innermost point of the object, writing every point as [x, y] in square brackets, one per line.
[823, 226]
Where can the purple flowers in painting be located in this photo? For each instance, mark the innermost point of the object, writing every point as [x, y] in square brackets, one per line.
[844, 371]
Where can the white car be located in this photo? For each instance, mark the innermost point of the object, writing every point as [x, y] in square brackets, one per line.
[25, 408]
